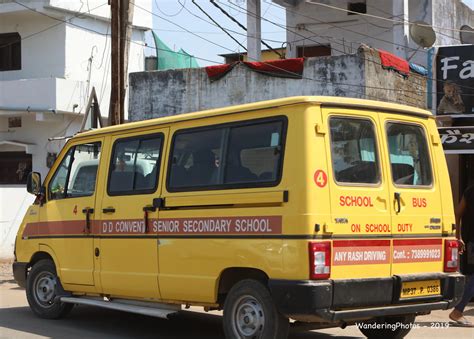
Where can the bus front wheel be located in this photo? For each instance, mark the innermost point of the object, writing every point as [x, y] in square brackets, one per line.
[42, 289]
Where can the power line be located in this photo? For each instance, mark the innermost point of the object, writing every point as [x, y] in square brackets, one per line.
[217, 24]
[245, 28]
[359, 42]
[270, 65]
[344, 28]
[106, 34]
[284, 70]
[226, 28]
[292, 73]
[344, 53]
[181, 27]
[207, 32]
[78, 14]
[385, 19]
[197, 35]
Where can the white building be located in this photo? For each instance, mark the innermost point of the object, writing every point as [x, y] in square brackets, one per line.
[52, 52]
[332, 27]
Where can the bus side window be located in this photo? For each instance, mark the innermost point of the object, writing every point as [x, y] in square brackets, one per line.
[134, 165]
[77, 173]
[243, 154]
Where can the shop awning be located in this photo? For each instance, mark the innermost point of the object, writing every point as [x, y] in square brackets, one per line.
[457, 140]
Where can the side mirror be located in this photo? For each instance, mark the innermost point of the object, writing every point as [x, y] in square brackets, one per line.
[33, 183]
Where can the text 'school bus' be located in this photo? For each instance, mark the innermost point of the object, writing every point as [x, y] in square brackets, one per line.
[323, 210]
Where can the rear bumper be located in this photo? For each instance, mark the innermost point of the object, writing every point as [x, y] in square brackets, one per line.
[358, 299]
[19, 273]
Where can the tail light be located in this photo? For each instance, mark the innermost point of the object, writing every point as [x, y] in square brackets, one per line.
[451, 260]
[319, 260]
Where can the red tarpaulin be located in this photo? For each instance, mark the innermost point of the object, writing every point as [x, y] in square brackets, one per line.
[287, 68]
[393, 62]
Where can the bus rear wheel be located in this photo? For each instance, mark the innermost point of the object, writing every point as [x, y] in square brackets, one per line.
[249, 312]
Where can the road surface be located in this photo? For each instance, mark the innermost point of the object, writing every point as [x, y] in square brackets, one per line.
[17, 321]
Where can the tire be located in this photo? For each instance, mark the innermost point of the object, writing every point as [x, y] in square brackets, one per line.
[398, 327]
[249, 312]
[42, 288]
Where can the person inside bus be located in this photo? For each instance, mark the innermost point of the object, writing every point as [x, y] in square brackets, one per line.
[235, 172]
[203, 168]
[465, 234]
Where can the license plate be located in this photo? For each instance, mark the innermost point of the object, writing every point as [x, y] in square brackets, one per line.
[412, 289]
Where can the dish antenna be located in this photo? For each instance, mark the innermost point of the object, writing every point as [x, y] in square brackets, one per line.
[422, 34]
[467, 35]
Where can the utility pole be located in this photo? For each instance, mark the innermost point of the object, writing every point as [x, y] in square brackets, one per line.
[114, 108]
[254, 30]
[121, 24]
[126, 33]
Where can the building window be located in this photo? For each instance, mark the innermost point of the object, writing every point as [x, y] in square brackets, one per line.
[10, 51]
[14, 122]
[358, 7]
[14, 168]
[313, 51]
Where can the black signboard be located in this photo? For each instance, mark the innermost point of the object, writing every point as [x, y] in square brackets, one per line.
[457, 140]
[455, 80]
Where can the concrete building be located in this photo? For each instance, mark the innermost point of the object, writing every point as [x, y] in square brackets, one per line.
[359, 75]
[336, 24]
[52, 52]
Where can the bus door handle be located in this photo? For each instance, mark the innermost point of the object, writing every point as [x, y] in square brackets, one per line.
[108, 210]
[147, 209]
[397, 199]
[88, 211]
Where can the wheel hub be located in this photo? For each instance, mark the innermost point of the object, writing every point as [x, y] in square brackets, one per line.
[249, 318]
[45, 286]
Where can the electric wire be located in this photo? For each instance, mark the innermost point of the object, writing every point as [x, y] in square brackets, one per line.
[212, 42]
[217, 24]
[244, 10]
[292, 73]
[50, 27]
[245, 28]
[403, 22]
[226, 28]
[359, 42]
[344, 28]
[101, 33]
[284, 70]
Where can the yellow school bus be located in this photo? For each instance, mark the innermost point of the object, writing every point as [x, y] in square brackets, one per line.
[324, 210]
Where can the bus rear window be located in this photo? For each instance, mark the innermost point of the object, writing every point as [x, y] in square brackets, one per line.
[354, 151]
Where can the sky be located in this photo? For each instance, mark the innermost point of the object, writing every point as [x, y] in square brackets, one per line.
[182, 13]
[470, 3]
[173, 17]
